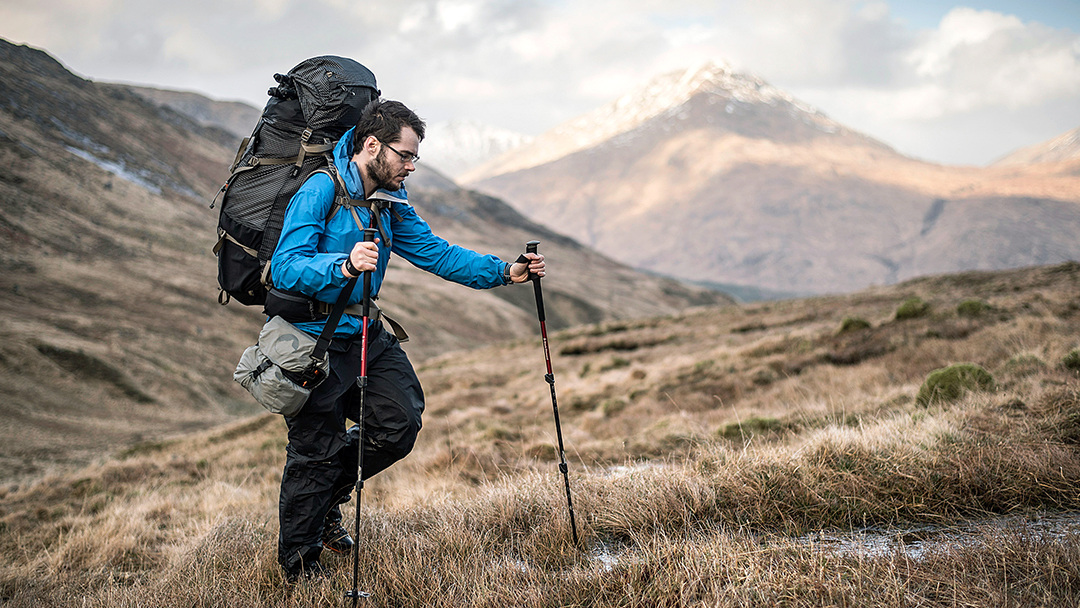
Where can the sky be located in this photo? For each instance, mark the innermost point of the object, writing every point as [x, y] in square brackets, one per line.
[949, 82]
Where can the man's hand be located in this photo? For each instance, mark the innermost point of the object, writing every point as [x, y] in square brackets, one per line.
[364, 257]
[519, 271]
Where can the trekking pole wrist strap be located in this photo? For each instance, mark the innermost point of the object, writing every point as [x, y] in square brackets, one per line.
[521, 260]
[349, 268]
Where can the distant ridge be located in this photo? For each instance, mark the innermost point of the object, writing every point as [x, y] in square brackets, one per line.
[236, 117]
[1064, 147]
[455, 146]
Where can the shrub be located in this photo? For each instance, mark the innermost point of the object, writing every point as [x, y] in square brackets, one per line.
[912, 308]
[950, 383]
[1022, 366]
[1071, 361]
[763, 377]
[853, 324]
[972, 308]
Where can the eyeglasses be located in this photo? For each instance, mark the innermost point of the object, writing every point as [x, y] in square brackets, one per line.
[405, 156]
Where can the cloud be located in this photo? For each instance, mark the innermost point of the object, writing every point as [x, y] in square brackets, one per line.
[982, 58]
[968, 91]
[528, 65]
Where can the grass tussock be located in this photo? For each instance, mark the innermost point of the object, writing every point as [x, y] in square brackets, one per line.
[704, 463]
[853, 324]
[948, 384]
[912, 308]
[1071, 361]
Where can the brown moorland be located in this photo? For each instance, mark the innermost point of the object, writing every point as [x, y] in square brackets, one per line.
[710, 452]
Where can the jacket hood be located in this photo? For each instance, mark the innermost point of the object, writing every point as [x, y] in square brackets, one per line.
[343, 153]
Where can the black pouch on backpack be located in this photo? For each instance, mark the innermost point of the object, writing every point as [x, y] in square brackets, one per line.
[239, 271]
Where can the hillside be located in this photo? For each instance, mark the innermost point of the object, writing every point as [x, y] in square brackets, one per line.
[766, 454]
[236, 117]
[1063, 148]
[111, 333]
[738, 182]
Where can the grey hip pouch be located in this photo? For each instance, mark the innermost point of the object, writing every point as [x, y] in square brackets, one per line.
[280, 371]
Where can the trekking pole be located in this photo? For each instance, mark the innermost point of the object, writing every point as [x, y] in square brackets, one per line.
[530, 247]
[361, 382]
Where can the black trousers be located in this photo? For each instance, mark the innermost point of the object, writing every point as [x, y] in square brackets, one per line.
[321, 458]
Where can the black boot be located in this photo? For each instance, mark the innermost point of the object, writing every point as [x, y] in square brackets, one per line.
[312, 571]
[334, 536]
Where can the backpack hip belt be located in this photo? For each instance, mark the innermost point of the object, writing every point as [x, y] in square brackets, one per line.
[296, 307]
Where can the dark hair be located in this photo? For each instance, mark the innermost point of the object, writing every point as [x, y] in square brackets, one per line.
[384, 119]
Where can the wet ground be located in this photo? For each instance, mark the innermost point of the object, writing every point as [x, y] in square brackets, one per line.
[916, 542]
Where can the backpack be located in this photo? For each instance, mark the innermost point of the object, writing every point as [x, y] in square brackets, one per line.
[310, 109]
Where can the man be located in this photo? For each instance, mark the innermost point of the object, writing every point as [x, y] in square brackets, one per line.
[319, 250]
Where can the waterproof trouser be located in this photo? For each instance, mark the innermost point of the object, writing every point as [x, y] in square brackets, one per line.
[320, 461]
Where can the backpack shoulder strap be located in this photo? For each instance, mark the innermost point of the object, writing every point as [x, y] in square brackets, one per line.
[341, 193]
[342, 199]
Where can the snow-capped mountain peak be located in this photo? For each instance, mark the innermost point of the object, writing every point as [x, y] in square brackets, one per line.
[662, 95]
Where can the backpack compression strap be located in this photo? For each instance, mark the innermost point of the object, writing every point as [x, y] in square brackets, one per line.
[298, 160]
[258, 161]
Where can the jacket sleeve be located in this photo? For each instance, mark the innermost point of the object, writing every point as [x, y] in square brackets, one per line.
[414, 241]
[299, 262]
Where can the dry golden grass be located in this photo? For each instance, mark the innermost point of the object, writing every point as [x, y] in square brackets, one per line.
[704, 448]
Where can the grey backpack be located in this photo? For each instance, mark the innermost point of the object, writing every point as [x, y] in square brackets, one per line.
[309, 110]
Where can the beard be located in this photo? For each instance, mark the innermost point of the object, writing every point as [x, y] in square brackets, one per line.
[383, 174]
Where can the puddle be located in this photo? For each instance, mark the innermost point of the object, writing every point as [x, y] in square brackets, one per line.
[628, 470]
[917, 542]
[605, 557]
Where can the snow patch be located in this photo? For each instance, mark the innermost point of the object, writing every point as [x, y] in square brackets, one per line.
[119, 169]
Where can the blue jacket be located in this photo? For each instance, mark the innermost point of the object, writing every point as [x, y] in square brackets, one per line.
[311, 249]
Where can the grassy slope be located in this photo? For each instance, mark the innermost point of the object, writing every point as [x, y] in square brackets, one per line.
[699, 443]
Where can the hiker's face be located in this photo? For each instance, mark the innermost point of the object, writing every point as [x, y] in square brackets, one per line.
[388, 168]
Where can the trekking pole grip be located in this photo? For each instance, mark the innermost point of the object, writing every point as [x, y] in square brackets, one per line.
[530, 247]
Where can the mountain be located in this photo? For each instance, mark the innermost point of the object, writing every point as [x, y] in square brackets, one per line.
[110, 332]
[236, 117]
[455, 146]
[775, 114]
[1063, 148]
[714, 175]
